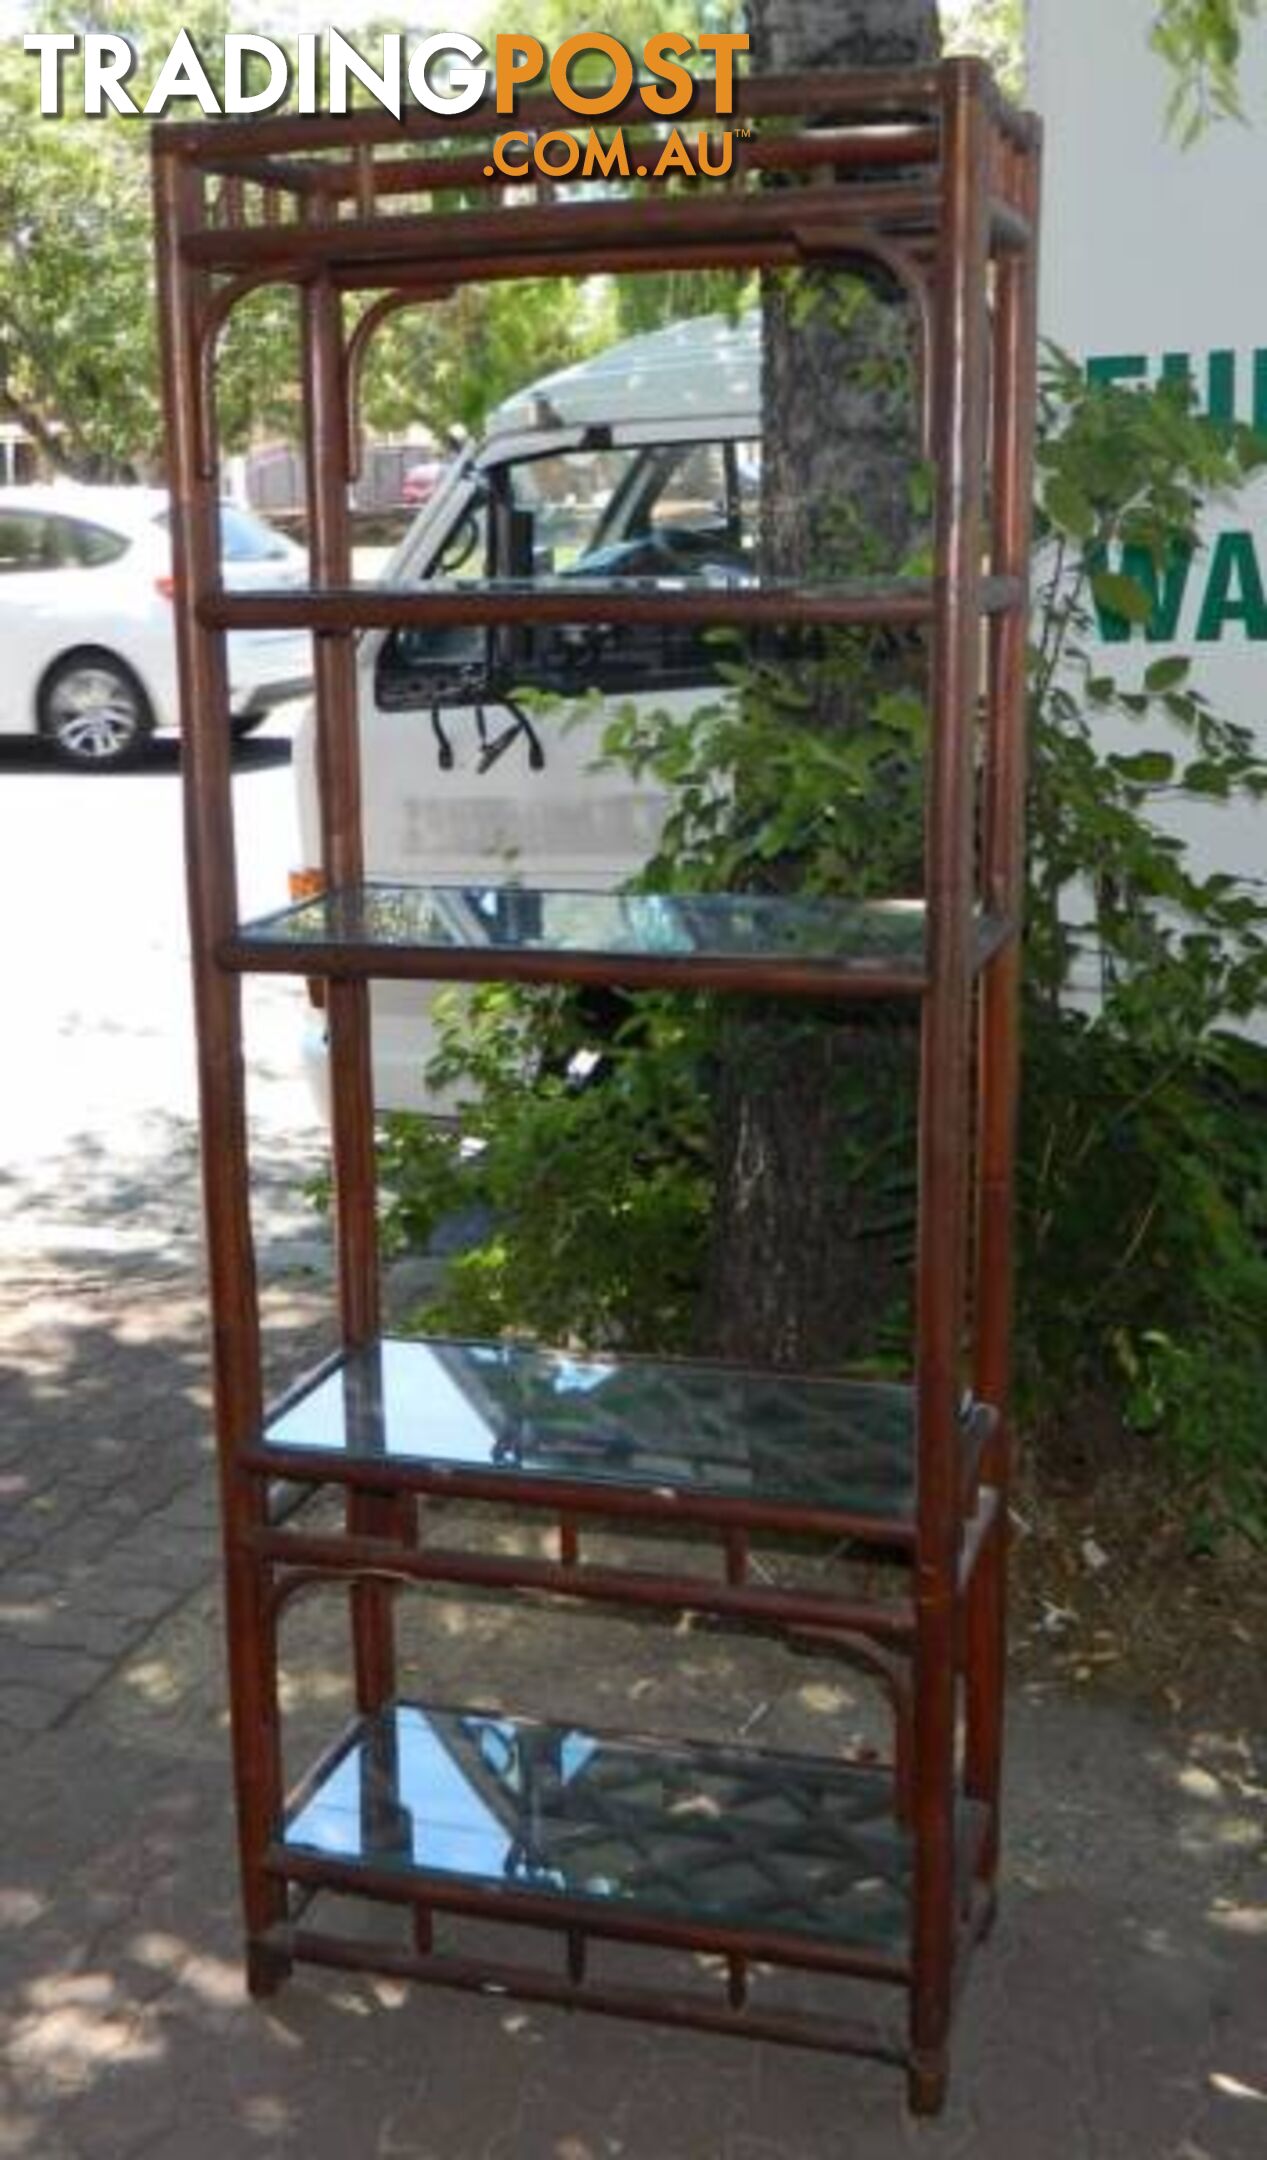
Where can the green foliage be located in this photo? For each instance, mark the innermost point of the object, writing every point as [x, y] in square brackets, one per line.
[597, 1195]
[78, 345]
[447, 363]
[78, 342]
[995, 31]
[756, 784]
[1143, 1274]
[1200, 41]
[1202, 1391]
[1143, 1177]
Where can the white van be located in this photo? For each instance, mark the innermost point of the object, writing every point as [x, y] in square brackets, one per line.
[642, 462]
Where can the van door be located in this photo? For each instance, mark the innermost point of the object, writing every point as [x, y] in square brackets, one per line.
[489, 736]
[479, 745]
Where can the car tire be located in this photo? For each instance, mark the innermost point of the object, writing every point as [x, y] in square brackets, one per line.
[93, 710]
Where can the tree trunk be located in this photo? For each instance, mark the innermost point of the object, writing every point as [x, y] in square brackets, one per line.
[810, 1243]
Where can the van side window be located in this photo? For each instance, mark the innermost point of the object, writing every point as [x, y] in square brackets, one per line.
[690, 509]
[568, 498]
[685, 509]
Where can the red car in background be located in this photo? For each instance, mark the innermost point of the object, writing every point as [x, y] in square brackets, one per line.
[421, 481]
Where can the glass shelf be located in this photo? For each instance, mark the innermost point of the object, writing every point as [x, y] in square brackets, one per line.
[732, 941]
[742, 600]
[490, 1808]
[716, 1441]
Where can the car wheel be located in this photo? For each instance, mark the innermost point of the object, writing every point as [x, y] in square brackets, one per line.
[93, 710]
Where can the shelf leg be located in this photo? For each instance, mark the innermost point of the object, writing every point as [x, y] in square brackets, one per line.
[213, 914]
[347, 1003]
[267, 1969]
[927, 2078]
[1015, 312]
[983, 1687]
[961, 363]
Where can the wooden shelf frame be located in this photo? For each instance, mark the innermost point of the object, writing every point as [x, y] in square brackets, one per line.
[332, 206]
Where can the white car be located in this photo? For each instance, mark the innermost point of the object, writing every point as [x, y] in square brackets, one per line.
[86, 619]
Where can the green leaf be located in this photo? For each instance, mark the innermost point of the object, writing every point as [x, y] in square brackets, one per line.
[1148, 768]
[1120, 595]
[1206, 778]
[1166, 674]
[1068, 507]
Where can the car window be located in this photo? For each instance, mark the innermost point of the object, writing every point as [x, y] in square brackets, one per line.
[567, 498]
[247, 539]
[685, 509]
[450, 665]
[243, 538]
[664, 510]
[88, 545]
[26, 543]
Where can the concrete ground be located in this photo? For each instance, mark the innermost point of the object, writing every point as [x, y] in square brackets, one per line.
[1117, 2014]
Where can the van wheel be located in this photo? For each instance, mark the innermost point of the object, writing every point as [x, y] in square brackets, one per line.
[93, 710]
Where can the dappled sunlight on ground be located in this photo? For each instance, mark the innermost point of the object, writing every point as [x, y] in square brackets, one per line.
[1128, 1866]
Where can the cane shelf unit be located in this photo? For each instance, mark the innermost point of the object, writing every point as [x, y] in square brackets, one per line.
[882, 1873]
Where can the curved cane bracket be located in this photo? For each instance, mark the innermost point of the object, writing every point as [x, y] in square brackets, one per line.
[296, 1581]
[358, 344]
[894, 1674]
[211, 324]
[908, 272]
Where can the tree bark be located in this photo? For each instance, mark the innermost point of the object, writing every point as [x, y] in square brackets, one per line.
[796, 36]
[810, 1243]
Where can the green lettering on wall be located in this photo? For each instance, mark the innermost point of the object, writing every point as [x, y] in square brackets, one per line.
[1117, 367]
[1165, 591]
[1220, 379]
[1222, 375]
[1234, 593]
[1220, 403]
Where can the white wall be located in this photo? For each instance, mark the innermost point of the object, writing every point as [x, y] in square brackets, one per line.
[1148, 250]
